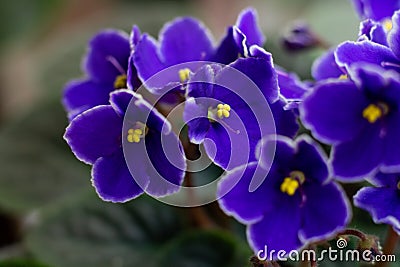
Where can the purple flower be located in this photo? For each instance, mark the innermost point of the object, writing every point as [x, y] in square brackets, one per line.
[300, 37]
[383, 200]
[325, 67]
[361, 119]
[186, 40]
[227, 108]
[297, 202]
[374, 31]
[97, 136]
[106, 67]
[373, 51]
[376, 9]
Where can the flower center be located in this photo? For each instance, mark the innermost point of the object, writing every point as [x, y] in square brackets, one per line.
[343, 77]
[373, 112]
[120, 81]
[292, 183]
[387, 24]
[137, 133]
[184, 75]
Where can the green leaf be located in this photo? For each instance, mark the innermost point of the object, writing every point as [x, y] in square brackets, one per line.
[143, 232]
[36, 166]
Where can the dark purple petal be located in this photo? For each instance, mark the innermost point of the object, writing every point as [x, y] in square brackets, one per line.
[333, 111]
[349, 53]
[279, 228]
[82, 95]
[146, 59]
[95, 133]
[325, 212]
[385, 179]
[133, 80]
[108, 56]
[184, 40]
[394, 35]
[326, 67]
[381, 203]
[285, 120]
[392, 157]
[284, 153]
[112, 179]
[311, 160]
[356, 159]
[235, 198]
[247, 22]
[166, 163]
[376, 9]
[231, 47]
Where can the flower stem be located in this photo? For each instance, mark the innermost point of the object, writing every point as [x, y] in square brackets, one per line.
[354, 232]
[389, 247]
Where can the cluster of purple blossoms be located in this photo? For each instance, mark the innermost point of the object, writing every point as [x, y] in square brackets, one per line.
[248, 128]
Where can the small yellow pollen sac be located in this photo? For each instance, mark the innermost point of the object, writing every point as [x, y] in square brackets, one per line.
[289, 186]
[223, 111]
[343, 77]
[184, 75]
[387, 24]
[134, 135]
[120, 81]
[372, 113]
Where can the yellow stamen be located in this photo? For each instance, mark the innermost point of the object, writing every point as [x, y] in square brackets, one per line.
[184, 75]
[292, 183]
[120, 81]
[223, 111]
[343, 77]
[134, 135]
[374, 112]
[387, 24]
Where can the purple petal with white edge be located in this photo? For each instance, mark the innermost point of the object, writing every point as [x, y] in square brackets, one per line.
[291, 88]
[349, 53]
[385, 179]
[134, 37]
[311, 160]
[166, 163]
[279, 228]
[247, 22]
[376, 9]
[147, 60]
[373, 31]
[231, 47]
[202, 82]
[112, 179]
[120, 100]
[394, 35]
[280, 149]
[325, 66]
[360, 157]
[285, 120]
[84, 94]
[95, 133]
[235, 198]
[195, 116]
[333, 111]
[260, 69]
[317, 223]
[133, 80]
[108, 56]
[183, 40]
[381, 203]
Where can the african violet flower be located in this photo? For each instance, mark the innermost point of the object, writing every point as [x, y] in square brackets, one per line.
[296, 203]
[106, 65]
[96, 137]
[232, 110]
[373, 52]
[187, 39]
[376, 9]
[300, 37]
[361, 119]
[382, 201]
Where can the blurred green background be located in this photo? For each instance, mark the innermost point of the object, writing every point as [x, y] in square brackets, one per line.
[49, 213]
